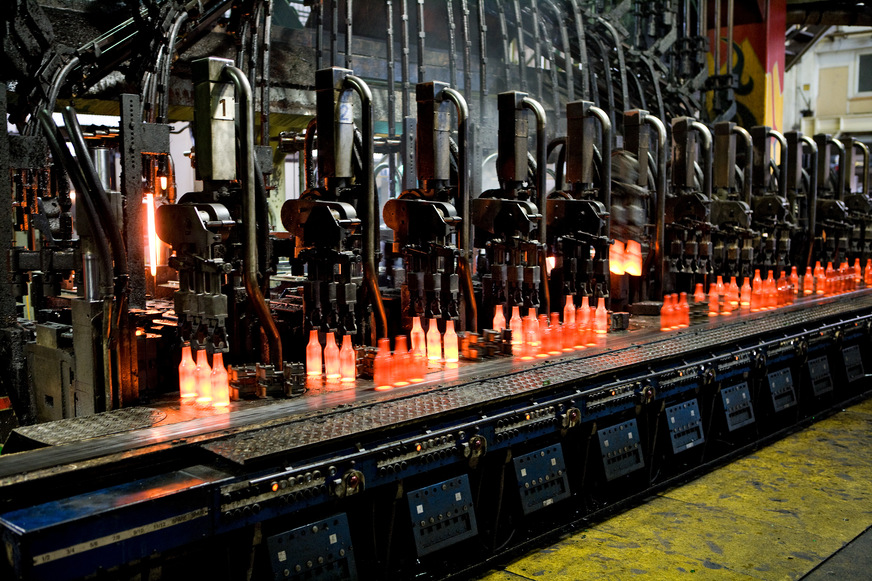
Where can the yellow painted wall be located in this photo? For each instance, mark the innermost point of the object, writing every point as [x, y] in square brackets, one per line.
[833, 91]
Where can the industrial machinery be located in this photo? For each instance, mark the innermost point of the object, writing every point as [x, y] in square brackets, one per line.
[215, 380]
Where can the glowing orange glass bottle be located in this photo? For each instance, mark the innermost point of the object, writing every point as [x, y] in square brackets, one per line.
[203, 376]
[219, 382]
[187, 368]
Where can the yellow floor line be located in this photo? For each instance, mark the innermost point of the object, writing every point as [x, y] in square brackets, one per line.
[775, 514]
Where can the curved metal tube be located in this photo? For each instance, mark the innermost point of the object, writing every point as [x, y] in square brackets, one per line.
[660, 229]
[308, 148]
[749, 163]
[58, 81]
[840, 179]
[65, 159]
[812, 196]
[249, 212]
[100, 201]
[164, 101]
[865, 151]
[371, 223]
[541, 188]
[464, 195]
[706, 157]
[560, 142]
[782, 168]
[606, 187]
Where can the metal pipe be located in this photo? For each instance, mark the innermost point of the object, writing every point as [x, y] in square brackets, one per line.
[782, 169]
[747, 186]
[452, 57]
[519, 27]
[164, 100]
[422, 34]
[537, 48]
[716, 44]
[265, 75]
[467, 46]
[730, 16]
[660, 228]
[319, 34]
[58, 82]
[249, 211]
[392, 97]
[606, 187]
[371, 224]
[348, 34]
[463, 194]
[101, 202]
[582, 50]
[707, 157]
[841, 175]
[308, 148]
[812, 197]
[482, 53]
[334, 31]
[541, 188]
[404, 46]
[564, 40]
[865, 167]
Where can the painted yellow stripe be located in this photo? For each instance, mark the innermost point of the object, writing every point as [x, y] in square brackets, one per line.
[773, 515]
[118, 537]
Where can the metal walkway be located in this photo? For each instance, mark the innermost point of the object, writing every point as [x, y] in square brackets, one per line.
[798, 507]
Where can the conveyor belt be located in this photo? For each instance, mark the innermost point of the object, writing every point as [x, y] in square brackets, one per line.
[297, 434]
[247, 435]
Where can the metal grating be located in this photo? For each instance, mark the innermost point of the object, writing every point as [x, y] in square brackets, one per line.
[102, 424]
[261, 443]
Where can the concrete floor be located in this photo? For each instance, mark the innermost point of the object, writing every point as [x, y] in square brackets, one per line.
[797, 508]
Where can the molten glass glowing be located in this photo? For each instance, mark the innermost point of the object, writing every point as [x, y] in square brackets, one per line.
[550, 263]
[187, 382]
[419, 342]
[163, 182]
[602, 317]
[203, 377]
[313, 354]
[331, 357]
[382, 372]
[616, 258]
[451, 351]
[434, 342]
[219, 382]
[347, 360]
[499, 319]
[516, 326]
[633, 258]
[402, 362]
[569, 311]
[152, 234]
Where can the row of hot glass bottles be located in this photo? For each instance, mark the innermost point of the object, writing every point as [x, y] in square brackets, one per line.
[207, 385]
[530, 337]
[760, 295]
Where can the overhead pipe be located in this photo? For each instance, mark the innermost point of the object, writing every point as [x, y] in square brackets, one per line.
[541, 189]
[747, 186]
[249, 213]
[392, 97]
[371, 222]
[812, 197]
[782, 170]
[841, 175]
[865, 166]
[464, 196]
[452, 57]
[660, 228]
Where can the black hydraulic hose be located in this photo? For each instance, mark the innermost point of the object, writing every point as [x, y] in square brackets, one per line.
[660, 224]
[308, 148]
[522, 66]
[58, 82]
[782, 173]
[560, 142]
[164, 79]
[541, 190]
[65, 159]
[537, 48]
[452, 57]
[101, 201]
[482, 53]
[706, 157]
[464, 196]
[567, 52]
[607, 78]
[249, 213]
[582, 50]
[812, 197]
[349, 31]
[747, 186]
[622, 67]
[371, 225]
